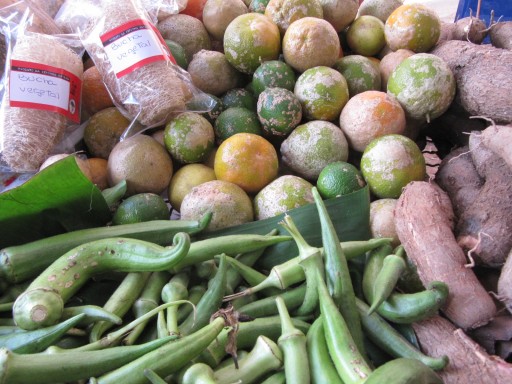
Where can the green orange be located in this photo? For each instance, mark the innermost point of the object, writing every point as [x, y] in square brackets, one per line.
[273, 73]
[339, 178]
[236, 120]
[251, 39]
[186, 178]
[140, 208]
[279, 111]
[360, 73]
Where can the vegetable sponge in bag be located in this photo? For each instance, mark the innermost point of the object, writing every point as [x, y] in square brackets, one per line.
[135, 64]
[41, 96]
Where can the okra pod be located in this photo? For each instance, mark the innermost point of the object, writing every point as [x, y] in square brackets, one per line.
[175, 289]
[292, 297]
[43, 301]
[23, 262]
[404, 371]
[198, 373]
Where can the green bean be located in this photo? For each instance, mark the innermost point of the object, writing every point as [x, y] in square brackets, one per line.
[41, 368]
[120, 301]
[39, 339]
[153, 377]
[322, 367]
[209, 303]
[276, 378]
[194, 295]
[293, 345]
[246, 337]
[167, 359]
[206, 249]
[92, 314]
[198, 373]
[389, 340]
[385, 282]
[350, 364]
[43, 301]
[175, 289]
[148, 300]
[265, 357]
[337, 274]
[404, 371]
[23, 262]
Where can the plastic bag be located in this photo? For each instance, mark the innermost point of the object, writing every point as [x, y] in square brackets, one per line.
[136, 65]
[40, 90]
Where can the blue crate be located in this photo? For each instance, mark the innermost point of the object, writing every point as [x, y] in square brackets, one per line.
[502, 8]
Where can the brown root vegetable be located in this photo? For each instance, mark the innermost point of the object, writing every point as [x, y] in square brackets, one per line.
[470, 29]
[468, 361]
[484, 228]
[498, 138]
[505, 283]
[482, 72]
[458, 177]
[424, 224]
[501, 34]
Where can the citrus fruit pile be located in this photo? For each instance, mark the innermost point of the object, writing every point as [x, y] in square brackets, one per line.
[289, 94]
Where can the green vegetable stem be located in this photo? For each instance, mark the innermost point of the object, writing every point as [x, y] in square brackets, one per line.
[43, 302]
[175, 289]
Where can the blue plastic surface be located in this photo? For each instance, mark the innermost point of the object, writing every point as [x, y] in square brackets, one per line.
[502, 9]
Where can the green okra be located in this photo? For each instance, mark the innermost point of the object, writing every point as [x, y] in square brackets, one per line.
[114, 194]
[264, 357]
[337, 275]
[40, 368]
[322, 367]
[153, 377]
[293, 345]
[175, 289]
[43, 301]
[23, 262]
[120, 302]
[37, 340]
[276, 378]
[198, 373]
[194, 295]
[148, 300]
[404, 371]
[383, 335]
[92, 314]
[167, 359]
[209, 303]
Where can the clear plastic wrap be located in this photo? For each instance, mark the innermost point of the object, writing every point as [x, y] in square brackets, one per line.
[40, 90]
[136, 65]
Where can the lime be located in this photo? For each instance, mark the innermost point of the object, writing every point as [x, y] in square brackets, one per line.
[323, 92]
[236, 120]
[273, 73]
[229, 204]
[313, 145]
[189, 137]
[389, 163]
[424, 85]
[284, 193]
[360, 73]
[185, 178]
[338, 179]
[239, 97]
[178, 53]
[140, 208]
[251, 39]
[279, 111]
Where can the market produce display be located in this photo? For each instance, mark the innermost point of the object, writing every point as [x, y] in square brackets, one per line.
[254, 191]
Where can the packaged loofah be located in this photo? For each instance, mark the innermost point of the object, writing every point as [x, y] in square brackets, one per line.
[136, 64]
[40, 94]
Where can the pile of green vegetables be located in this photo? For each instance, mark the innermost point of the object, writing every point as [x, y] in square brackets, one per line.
[202, 311]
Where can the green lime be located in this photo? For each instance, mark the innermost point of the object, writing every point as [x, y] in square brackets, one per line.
[140, 208]
[178, 52]
[239, 97]
[236, 120]
[389, 163]
[189, 137]
[338, 179]
[279, 111]
[273, 73]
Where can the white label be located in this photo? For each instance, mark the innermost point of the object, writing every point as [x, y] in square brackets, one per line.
[33, 85]
[133, 45]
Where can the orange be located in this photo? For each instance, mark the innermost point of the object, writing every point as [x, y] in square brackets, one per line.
[194, 8]
[412, 26]
[247, 160]
[365, 36]
[251, 39]
[371, 114]
[310, 42]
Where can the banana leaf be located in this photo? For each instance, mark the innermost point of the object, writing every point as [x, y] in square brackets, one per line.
[350, 215]
[56, 200]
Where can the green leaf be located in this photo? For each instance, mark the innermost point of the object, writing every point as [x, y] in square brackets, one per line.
[350, 215]
[56, 200]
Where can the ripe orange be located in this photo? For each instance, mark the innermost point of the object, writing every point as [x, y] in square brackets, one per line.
[195, 8]
[248, 160]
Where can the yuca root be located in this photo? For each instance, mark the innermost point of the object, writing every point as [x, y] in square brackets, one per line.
[423, 221]
[469, 362]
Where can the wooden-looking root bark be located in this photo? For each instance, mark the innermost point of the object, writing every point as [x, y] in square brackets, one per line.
[484, 85]
[469, 362]
[424, 224]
